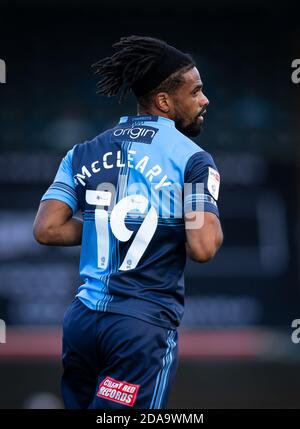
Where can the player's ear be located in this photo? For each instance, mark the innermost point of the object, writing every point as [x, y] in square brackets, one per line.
[163, 102]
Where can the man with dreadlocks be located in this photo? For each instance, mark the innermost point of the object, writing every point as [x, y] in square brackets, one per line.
[119, 333]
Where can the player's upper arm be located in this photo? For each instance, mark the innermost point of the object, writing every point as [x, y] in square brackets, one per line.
[59, 202]
[203, 242]
[51, 215]
[203, 229]
[63, 186]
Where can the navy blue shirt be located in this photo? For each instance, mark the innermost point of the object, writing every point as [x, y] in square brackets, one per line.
[133, 184]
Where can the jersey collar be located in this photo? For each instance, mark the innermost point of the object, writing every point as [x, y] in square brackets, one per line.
[140, 119]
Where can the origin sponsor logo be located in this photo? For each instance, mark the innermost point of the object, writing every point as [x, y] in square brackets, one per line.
[141, 134]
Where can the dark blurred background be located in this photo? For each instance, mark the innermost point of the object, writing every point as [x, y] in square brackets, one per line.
[236, 348]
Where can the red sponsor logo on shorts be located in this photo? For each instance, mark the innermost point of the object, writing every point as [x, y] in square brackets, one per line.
[118, 391]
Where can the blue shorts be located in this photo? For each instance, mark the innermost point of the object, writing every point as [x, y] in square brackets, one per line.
[115, 361]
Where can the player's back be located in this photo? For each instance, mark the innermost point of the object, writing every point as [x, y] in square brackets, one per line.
[129, 184]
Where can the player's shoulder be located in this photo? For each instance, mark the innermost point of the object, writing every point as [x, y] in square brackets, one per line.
[99, 137]
[193, 157]
[89, 144]
[187, 148]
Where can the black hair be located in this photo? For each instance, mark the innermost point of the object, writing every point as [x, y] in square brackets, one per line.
[169, 85]
[135, 57]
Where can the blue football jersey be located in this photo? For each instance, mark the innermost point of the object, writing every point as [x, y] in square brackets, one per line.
[133, 184]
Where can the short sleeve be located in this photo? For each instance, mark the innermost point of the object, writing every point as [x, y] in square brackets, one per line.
[202, 183]
[63, 187]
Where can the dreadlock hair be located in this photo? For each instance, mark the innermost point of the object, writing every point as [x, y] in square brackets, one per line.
[136, 57]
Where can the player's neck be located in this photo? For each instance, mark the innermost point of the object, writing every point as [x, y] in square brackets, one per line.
[141, 111]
